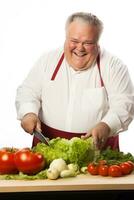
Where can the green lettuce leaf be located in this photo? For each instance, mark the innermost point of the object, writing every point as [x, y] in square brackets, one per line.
[75, 150]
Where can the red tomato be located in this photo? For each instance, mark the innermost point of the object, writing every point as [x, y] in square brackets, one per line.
[115, 171]
[131, 163]
[7, 164]
[29, 162]
[126, 168]
[103, 170]
[93, 169]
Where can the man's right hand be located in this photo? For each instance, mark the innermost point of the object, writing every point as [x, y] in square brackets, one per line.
[31, 122]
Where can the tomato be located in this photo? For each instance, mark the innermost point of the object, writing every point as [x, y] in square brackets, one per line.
[103, 170]
[131, 163]
[93, 169]
[7, 164]
[115, 171]
[126, 168]
[28, 161]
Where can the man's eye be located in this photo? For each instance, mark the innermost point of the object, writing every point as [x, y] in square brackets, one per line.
[73, 41]
[88, 43]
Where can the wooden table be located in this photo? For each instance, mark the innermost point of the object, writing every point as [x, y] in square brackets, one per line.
[80, 185]
[81, 182]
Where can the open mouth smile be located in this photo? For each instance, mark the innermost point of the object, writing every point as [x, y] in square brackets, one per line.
[80, 54]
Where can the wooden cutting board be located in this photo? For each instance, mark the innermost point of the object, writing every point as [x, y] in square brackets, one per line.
[81, 182]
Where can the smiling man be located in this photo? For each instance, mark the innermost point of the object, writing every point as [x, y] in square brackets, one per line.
[80, 90]
[81, 44]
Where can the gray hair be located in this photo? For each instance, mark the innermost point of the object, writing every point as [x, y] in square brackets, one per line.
[88, 18]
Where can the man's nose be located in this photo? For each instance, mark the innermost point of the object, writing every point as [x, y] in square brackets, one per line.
[80, 46]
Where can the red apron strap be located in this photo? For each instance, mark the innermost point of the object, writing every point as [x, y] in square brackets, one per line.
[98, 64]
[61, 60]
[51, 133]
[57, 67]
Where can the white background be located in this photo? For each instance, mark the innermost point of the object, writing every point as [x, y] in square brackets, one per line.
[28, 28]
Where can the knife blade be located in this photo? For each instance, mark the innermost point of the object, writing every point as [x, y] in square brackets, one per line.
[41, 137]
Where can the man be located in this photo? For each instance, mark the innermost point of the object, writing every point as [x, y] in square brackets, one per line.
[79, 90]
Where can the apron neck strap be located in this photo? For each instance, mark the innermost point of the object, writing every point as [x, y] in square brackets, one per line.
[61, 60]
[57, 67]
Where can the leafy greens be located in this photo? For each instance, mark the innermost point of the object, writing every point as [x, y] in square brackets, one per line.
[75, 150]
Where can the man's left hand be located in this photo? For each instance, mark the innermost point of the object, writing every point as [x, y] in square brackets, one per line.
[100, 134]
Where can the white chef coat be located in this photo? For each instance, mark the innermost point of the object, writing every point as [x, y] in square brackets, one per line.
[75, 101]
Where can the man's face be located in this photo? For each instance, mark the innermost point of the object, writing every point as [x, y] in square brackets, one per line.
[80, 46]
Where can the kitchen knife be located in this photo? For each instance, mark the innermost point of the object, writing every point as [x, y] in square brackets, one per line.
[41, 137]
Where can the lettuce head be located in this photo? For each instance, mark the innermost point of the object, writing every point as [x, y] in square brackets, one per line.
[75, 150]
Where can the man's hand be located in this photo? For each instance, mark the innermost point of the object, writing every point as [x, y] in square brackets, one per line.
[31, 122]
[100, 134]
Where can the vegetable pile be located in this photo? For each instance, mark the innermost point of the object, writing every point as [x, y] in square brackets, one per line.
[63, 158]
[37, 162]
[112, 163]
